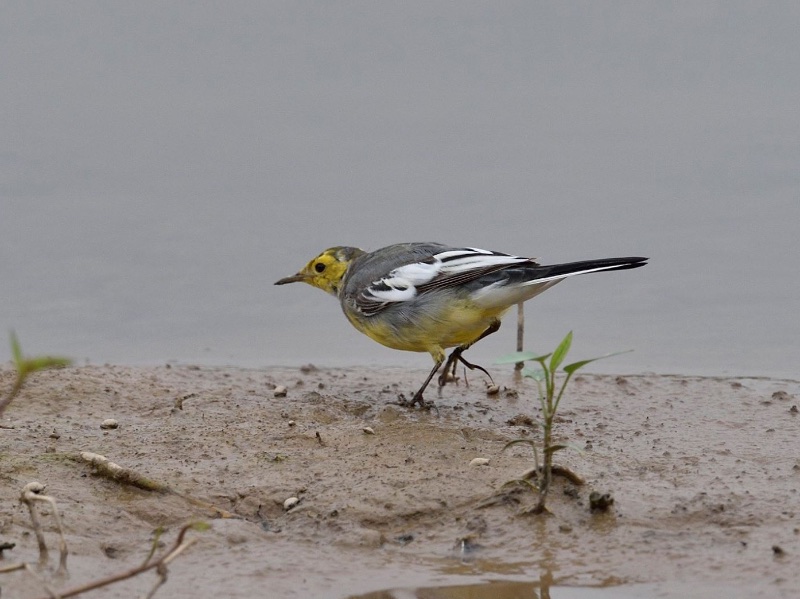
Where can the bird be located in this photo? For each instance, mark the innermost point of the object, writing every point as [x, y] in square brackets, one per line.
[429, 297]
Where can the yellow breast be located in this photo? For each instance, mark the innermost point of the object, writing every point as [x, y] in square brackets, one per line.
[458, 323]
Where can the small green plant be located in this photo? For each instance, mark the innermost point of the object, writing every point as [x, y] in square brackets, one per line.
[550, 394]
[25, 367]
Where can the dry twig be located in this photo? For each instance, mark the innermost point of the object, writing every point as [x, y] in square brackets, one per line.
[108, 469]
[177, 548]
[520, 333]
[32, 573]
[31, 493]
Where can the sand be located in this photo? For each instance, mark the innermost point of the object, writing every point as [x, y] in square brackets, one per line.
[704, 473]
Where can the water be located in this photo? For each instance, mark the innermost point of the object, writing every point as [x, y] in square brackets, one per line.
[537, 590]
[162, 165]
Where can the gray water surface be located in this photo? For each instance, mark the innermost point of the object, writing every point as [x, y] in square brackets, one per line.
[162, 164]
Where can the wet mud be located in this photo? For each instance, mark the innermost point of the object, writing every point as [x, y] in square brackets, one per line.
[703, 472]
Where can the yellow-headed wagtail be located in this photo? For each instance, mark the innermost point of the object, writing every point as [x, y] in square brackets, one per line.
[428, 296]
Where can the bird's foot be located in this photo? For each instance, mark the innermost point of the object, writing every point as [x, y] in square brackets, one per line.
[447, 377]
[475, 367]
[449, 371]
[416, 399]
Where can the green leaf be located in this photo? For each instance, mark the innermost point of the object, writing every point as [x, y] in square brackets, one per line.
[536, 374]
[26, 366]
[530, 442]
[561, 352]
[16, 350]
[570, 368]
[555, 448]
[517, 356]
[43, 362]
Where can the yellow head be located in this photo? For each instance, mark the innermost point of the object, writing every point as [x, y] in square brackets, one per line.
[327, 270]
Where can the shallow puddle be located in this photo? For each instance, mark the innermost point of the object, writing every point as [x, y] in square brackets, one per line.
[538, 590]
[493, 590]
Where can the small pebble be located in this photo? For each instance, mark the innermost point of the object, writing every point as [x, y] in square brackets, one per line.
[290, 503]
[492, 390]
[368, 430]
[291, 423]
[109, 423]
[280, 391]
[479, 462]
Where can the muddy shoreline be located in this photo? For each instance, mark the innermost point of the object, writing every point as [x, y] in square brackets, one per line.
[704, 473]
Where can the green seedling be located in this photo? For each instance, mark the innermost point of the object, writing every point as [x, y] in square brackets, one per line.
[25, 367]
[550, 395]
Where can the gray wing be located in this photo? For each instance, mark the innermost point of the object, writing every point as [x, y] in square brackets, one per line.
[401, 273]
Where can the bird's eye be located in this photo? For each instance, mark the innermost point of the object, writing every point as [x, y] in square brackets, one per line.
[319, 267]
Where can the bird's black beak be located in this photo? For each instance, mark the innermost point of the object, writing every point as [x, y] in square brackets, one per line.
[293, 279]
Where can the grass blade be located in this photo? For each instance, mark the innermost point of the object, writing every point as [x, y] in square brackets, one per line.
[555, 448]
[519, 442]
[561, 352]
[517, 356]
[16, 350]
[570, 368]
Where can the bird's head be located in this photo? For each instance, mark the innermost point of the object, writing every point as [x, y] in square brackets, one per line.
[327, 270]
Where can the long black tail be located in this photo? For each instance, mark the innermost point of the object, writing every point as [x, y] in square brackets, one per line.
[560, 271]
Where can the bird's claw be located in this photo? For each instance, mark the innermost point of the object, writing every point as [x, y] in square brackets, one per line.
[449, 372]
[417, 399]
[446, 377]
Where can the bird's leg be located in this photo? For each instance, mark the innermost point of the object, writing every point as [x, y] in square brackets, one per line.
[418, 399]
[455, 356]
[452, 363]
